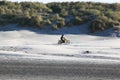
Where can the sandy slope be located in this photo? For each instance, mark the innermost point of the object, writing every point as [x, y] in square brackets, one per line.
[25, 41]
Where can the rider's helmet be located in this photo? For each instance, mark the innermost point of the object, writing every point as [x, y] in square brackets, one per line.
[62, 34]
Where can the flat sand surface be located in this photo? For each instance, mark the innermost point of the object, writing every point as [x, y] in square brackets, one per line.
[50, 70]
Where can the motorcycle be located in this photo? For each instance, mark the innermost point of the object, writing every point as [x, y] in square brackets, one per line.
[66, 42]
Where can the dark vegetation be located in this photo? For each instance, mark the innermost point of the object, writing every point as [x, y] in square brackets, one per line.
[59, 15]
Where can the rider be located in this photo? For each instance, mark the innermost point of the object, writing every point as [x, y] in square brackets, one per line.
[62, 38]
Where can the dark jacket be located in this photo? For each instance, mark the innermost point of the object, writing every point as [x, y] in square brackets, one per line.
[62, 39]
